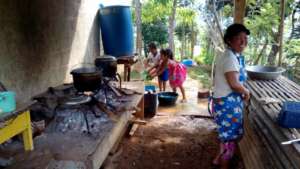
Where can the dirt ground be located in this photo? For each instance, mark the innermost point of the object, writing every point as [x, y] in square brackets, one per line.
[176, 138]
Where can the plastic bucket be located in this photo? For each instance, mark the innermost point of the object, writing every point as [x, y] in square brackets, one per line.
[150, 102]
[7, 102]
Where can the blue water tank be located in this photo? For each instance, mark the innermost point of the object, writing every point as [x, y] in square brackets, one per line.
[116, 30]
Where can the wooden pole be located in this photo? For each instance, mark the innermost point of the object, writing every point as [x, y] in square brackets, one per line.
[281, 26]
[138, 14]
[172, 27]
[239, 10]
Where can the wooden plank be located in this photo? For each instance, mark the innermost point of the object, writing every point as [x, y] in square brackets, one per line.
[268, 154]
[286, 88]
[291, 84]
[269, 108]
[274, 146]
[97, 157]
[250, 148]
[133, 129]
[282, 97]
[137, 121]
[280, 134]
[239, 10]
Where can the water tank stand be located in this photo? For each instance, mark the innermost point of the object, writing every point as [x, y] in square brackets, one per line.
[127, 61]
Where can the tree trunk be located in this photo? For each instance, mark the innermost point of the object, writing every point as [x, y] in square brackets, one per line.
[138, 14]
[293, 24]
[172, 26]
[280, 34]
[184, 48]
[193, 41]
[261, 53]
[181, 50]
[218, 25]
[272, 55]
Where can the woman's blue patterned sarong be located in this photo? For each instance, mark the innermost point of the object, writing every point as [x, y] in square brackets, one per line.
[228, 113]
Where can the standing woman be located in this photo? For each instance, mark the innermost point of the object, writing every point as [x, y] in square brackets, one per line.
[229, 93]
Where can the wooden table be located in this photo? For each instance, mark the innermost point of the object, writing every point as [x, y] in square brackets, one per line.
[261, 146]
[59, 150]
[14, 123]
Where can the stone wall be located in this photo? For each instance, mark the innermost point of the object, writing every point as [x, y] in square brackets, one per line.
[42, 40]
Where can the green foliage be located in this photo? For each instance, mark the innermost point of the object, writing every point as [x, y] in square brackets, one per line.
[186, 30]
[228, 10]
[263, 24]
[154, 11]
[154, 22]
[155, 32]
[292, 49]
[208, 56]
[182, 31]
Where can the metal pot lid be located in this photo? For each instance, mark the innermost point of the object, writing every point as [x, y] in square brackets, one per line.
[107, 58]
[86, 70]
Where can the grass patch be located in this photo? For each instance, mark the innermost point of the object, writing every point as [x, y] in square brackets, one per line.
[200, 74]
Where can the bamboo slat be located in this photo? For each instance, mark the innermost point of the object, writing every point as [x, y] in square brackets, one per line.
[263, 136]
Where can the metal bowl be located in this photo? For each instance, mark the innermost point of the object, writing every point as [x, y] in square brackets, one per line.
[264, 72]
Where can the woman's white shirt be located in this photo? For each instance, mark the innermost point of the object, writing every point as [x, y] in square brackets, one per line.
[153, 60]
[228, 62]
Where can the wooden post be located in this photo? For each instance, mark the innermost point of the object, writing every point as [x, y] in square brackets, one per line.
[239, 10]
[138, 14]
[281, 26]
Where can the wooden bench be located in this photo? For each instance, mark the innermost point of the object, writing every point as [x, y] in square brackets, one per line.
[17, 122]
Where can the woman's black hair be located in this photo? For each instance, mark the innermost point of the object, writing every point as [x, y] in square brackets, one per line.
[234, 30]
[169, 54]
[152, 45]
[163, 52]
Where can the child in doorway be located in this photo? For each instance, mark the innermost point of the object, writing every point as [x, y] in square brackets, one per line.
[176, 70]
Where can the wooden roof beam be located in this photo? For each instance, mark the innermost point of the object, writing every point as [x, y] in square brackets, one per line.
[239, 10]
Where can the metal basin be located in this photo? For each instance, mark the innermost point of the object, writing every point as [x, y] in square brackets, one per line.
[264, 72]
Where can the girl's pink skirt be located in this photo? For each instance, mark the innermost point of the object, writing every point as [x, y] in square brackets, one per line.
[177, 74]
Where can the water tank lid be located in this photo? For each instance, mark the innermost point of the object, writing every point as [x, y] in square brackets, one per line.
[106, 3]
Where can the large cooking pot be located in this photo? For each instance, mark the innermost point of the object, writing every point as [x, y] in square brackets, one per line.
[87, 79]
[108, 64]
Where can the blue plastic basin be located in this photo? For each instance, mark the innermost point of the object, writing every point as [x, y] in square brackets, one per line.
[167, 98]
[188, 62]
[7, 101]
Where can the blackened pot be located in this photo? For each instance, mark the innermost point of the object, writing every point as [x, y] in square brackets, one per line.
[108, 64]
[87, 79]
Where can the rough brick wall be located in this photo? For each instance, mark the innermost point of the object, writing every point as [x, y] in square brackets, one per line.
[41, 40]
